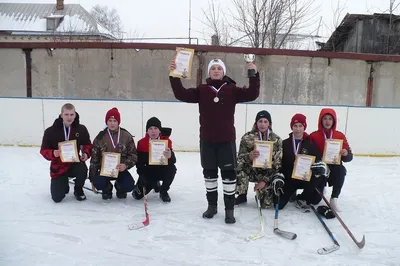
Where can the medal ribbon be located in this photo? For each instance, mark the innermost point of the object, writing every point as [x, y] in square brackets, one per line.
[330, 136]
[217, 90]
[296, 149]
[66, 135]
[111, 138]
[260, 135]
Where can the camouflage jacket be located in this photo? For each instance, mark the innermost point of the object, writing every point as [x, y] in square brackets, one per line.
[245, 167]
[102, 143]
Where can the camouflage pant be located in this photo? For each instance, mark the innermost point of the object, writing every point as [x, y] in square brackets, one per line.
[244, 176]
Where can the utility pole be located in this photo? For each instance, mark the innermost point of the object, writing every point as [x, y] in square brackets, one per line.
[190, 19]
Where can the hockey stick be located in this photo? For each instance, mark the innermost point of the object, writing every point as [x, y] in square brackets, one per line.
[146, 222]
[360, 244]
[285, 234]
[325, 250]
[262, 232]
[97, 192]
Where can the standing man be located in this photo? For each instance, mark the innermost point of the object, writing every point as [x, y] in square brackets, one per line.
[66, 127]
[217, 99]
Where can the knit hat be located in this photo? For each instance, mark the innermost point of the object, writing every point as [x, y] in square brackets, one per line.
[153, 122]
[299, 118]
[264, 114]
[216, 61]
[113, 113]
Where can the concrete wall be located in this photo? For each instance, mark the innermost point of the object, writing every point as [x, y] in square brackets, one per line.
[370, 131]
[142, 74]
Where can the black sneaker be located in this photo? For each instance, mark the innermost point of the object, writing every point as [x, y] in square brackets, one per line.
[79, 195]
[164, 196]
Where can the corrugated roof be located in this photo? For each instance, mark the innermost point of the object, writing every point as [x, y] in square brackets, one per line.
[341, 32]
[23, 17]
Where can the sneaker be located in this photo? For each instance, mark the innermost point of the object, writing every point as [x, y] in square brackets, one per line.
[302, 205]
[67, 189]
[240, 199]
[79, 195]
[164, 196]
[334, 204]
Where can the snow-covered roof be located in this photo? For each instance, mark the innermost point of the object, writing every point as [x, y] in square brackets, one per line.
[25, 18]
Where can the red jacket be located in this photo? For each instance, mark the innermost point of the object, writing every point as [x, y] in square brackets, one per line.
[318, 137]
[217, 119]
[55, 134]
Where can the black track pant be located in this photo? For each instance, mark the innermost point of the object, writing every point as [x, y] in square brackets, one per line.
[59, 186]
[220, 155]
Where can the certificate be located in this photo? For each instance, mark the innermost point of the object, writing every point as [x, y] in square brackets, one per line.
[68, 151]
[302, 167]
[156, 152]
[332, 150]
[265, 159]
[109, 164]
[183, 61]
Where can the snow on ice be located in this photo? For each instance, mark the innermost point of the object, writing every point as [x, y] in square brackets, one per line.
[37, 231]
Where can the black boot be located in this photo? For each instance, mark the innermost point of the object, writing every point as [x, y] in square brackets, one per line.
[229, 201]
[210, 212]
[164, 196]
[107, 191]
[157, 187]
[240, 199]
[212, 198]
[121, 194]
[229, 218]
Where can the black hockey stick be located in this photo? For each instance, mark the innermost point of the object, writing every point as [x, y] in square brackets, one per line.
[284, 234]
[325, 250]
[360, 244]
[97, 192]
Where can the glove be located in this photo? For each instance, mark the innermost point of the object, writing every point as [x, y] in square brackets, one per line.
[320, 168]
[278, 181]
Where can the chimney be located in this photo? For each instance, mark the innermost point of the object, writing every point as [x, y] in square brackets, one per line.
[60, 5]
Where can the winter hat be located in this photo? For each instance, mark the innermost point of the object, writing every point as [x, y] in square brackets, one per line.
[299, 118]
[153, 122]
[264, 114]
[113, 113]
[216, 61]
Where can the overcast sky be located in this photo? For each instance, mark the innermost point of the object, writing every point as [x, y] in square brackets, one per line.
[170, 18]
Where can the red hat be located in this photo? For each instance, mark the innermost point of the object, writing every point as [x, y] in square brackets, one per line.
[299, 118]
[113, 113]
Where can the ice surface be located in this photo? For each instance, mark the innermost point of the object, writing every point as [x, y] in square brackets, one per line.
[37, 231]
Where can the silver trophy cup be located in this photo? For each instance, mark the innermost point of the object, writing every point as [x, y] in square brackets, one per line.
[249, 58]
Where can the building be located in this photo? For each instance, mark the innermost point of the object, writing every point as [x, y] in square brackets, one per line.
[359, 33]
[21, 22]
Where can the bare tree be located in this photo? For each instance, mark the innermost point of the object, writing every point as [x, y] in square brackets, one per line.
[215, 20]
[267, 23]
[108, 19]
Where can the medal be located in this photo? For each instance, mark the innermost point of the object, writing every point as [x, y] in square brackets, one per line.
[111, 138]
[66, 135]
[216, 99]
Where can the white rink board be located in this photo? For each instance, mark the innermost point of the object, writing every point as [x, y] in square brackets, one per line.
[370, 131]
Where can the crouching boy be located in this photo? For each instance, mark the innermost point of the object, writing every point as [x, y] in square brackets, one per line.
[113, 139]
[149, 174]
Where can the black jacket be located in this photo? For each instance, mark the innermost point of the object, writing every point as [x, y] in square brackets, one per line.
[288, 158]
